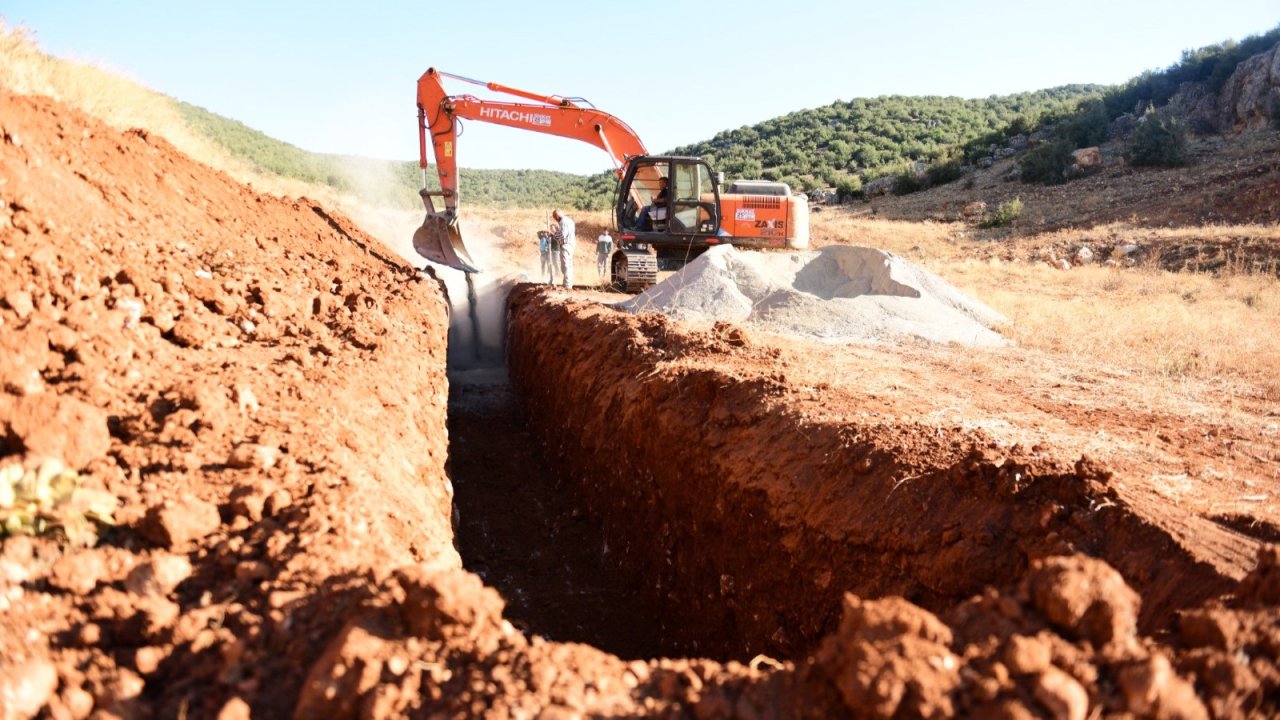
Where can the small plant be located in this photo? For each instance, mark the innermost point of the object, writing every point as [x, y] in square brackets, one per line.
[47, 498]
[1005, 214]
[1160, 139]
[1275, 112]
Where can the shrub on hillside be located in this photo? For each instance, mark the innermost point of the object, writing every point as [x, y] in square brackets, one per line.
[1275, 112]
[907, 182]
[1160, 139]
[1088, 126]
[946, 167]
[848, 188]
[1005, 214]
[1023, 124]
[1045, 163]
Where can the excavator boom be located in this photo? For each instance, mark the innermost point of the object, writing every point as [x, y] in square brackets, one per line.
[439, 239]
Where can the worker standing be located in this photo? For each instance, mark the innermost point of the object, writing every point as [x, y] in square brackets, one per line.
[545, 240]
[604, 247]
[564, 236]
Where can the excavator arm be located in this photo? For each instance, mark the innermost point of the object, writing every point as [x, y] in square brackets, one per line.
[440, 239]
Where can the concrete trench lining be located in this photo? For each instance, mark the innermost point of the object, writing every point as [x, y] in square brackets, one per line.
[750, 522]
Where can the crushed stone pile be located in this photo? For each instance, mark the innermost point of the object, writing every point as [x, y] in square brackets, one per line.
[840, 293]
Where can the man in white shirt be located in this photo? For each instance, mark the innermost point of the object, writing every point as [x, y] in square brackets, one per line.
[565, 235]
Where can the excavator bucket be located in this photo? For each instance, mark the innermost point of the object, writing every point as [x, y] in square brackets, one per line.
[440, 240]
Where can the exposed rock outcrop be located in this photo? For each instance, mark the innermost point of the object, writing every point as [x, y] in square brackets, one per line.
[1244, 102]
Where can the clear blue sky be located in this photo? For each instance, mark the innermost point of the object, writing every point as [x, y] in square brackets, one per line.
[340, 77]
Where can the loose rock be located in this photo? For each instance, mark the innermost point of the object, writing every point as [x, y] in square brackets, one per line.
[1062, 695]
[160, 575]
[177, 522]
[27, 687]
[1153, 689]
[78, 572]
[59, 426]
[252, 455]
[1086, 598]
[20, 302]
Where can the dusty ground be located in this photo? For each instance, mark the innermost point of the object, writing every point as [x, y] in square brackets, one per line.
[843, 531]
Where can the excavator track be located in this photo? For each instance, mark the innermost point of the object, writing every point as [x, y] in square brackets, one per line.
[634, 270]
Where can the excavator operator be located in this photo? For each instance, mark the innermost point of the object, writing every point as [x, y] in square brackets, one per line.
[656, 210]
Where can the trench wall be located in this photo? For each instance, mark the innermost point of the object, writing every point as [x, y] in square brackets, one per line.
[750, 521]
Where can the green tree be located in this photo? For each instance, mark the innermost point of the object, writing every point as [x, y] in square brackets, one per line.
[1046, 162]
[1160, 139]
[848, 187]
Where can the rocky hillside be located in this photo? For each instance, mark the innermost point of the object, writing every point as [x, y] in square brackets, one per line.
[1227, 168]
[1250, 99]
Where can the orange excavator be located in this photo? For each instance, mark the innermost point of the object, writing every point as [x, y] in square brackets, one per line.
[657, 227]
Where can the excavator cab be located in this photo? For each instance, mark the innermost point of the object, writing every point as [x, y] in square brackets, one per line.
[689, 213]
[663, 232]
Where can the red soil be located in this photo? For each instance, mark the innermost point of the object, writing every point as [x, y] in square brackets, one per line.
[262, 386]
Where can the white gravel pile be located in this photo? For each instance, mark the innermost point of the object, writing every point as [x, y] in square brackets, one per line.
[837, 294]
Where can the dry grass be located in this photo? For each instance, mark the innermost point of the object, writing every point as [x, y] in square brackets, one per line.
[1144, 320]
[105, 94]
[929, 239]
[1129, 232]
[1150, 321]
[123, 103]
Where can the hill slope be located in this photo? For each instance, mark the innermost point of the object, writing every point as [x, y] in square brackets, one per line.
[808, 148]
[816, 148]
[385, 182]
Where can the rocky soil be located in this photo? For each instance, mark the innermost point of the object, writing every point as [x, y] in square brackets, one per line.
[217, 361]
[225, 414]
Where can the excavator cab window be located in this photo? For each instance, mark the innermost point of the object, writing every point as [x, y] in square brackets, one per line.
[641, 211]
[691, 206]
[694, 198]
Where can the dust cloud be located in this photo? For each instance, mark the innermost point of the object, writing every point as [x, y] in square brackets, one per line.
[477, 318]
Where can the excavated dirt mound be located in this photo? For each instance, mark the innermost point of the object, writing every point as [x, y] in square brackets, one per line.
[261, 388]
[258, 383]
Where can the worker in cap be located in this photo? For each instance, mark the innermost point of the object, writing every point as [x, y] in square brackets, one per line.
[564, 234]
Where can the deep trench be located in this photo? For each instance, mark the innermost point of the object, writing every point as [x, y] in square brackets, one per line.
[566, 571]
[518, 523]
[715, 568]
[519, 526]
